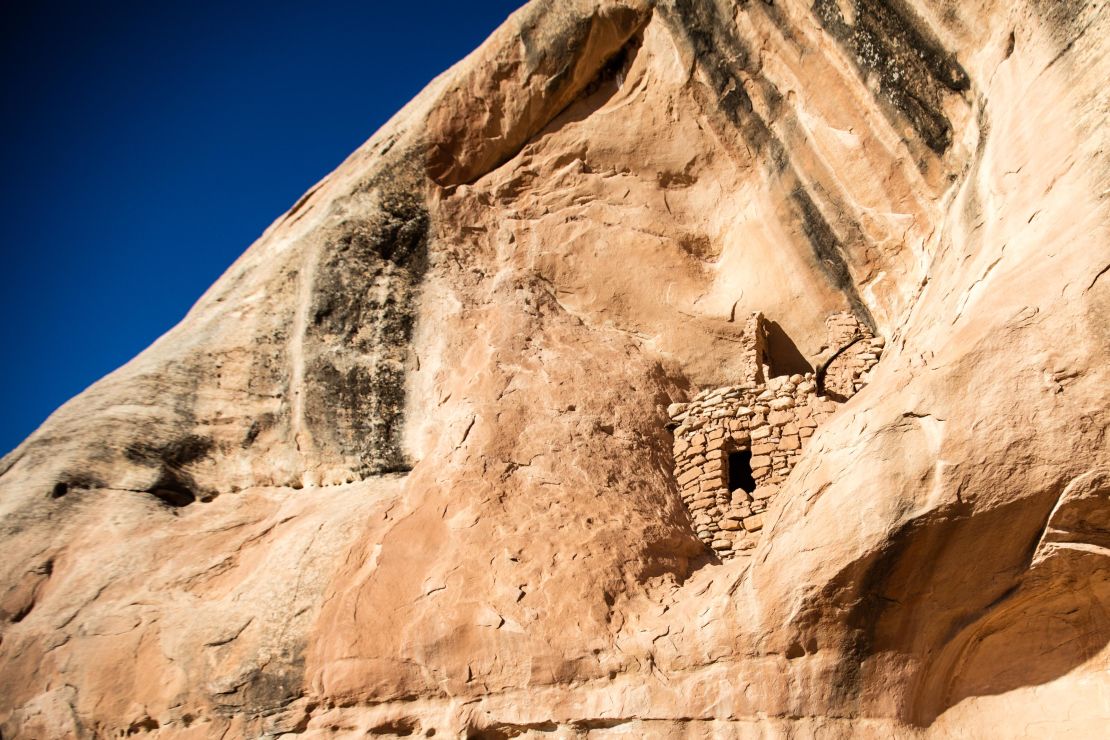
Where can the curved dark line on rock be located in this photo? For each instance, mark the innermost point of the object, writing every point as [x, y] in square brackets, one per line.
[570, 46]
[824, 366]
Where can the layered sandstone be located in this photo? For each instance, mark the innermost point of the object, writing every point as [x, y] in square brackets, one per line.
[408, 467]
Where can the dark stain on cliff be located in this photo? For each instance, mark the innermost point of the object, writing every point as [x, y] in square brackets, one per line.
[725, 62]
[265, 690]
[914, 72]
[829, 254]
[722, 58]
[1067, 21]
[174, 486]
[360, 325]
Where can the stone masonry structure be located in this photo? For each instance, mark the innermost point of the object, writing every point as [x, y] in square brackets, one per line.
[735, 445]
[855, 352]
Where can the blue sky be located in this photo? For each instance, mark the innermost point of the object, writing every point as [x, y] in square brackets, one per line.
[145, 145]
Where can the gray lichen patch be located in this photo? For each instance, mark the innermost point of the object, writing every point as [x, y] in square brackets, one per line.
[913, 71]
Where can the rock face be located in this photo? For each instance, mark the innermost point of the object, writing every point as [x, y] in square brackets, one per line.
[408, 468]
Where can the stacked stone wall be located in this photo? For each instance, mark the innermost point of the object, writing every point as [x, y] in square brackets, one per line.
[771, 421]
[753, 343]
[857, 351]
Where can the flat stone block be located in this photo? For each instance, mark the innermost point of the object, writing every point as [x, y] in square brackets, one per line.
[762, 493]
[690, 475]
[739, 500]
[790, 443]
[778, 418]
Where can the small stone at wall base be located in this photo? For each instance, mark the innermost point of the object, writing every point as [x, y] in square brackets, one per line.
[765, 492]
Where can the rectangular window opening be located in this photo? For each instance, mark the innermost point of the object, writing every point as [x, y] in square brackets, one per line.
[740, 471]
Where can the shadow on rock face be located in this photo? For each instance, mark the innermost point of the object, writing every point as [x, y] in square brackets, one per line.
[783, 355]
[1052, 619]
[982, 618]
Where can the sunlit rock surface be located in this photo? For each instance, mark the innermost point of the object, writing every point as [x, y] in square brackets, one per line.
[407, 468]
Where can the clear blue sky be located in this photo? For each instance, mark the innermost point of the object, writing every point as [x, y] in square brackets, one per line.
[145, 145]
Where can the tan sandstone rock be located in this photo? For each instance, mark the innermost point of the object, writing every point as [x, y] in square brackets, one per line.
[407, 468]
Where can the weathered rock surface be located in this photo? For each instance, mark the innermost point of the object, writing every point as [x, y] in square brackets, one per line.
[406, 468]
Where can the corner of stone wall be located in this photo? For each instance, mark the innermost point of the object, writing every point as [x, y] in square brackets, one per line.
[855, 351]
[756, 332]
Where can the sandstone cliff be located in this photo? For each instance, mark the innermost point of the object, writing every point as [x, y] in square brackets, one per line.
[408, 467]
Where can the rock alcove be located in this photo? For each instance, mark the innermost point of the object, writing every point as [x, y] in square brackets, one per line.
[735, 445]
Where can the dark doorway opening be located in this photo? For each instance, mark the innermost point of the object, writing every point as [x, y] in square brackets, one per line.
[740, 471]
